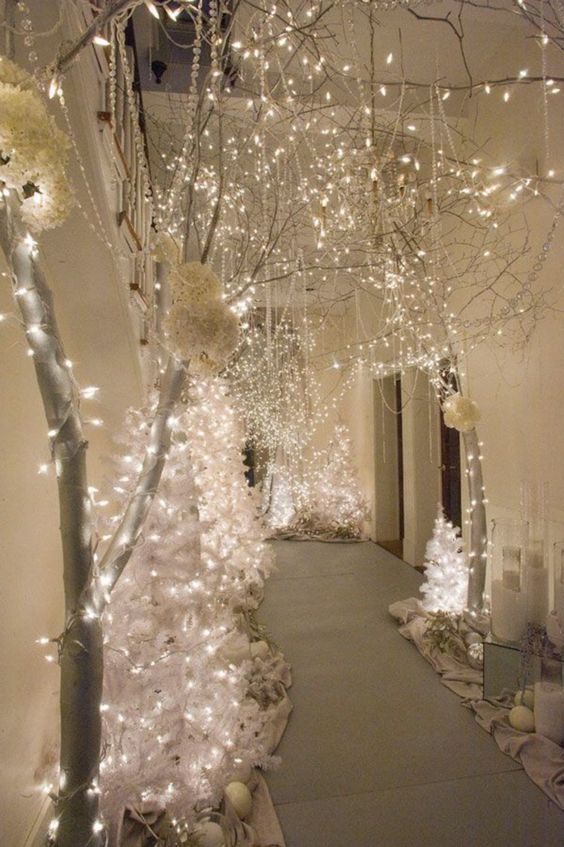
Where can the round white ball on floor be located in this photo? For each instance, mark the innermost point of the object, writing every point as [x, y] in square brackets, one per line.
[209, 834]
[525, 698]
[259, 649]
[240, 798]
[522, 718]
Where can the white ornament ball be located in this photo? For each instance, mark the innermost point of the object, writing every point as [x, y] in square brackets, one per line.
[209, 834]
[522, 718]
[194, 283]
[259, 649]
[460, 413]
[525, 698]
[240, 798]
[164, 249]
[475, 655]
[205, 333]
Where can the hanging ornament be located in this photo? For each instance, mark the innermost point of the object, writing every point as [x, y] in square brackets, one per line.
[193, 283]
[164, 249]
[206, 334]
[461, 413]
[33, 151]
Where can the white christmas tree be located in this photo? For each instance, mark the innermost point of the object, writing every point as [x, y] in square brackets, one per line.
[337, 497]
[278, 497]
[446, 569]
[233, 536]
[179, 723]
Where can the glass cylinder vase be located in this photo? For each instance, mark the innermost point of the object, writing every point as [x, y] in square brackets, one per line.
[559, 580]
[534, 498]
[508, 597]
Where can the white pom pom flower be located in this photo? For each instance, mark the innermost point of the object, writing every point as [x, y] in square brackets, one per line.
[461, 413]
[164, 249]
[194, 283]
[204, 333]
[33, 151]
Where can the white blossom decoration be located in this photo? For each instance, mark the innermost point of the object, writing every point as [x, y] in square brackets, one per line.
[204, 333]
[33, 150]
[200, 326]
[194, 283]
[461, 413]
[164, 249]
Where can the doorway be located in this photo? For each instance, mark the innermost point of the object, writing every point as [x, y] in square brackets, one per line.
[389, 488]
[451, 474]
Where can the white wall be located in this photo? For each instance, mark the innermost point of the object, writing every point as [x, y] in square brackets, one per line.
[421, 475]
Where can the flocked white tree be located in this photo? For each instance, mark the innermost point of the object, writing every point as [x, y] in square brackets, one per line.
[446, 569]
[337, 496]
[327, 501]
[179, 723]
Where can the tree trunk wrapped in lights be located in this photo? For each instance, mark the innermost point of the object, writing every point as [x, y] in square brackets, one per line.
[80, 646]
[462, 414]
[478, 552]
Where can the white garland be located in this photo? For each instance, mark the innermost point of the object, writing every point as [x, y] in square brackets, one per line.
[33, 150]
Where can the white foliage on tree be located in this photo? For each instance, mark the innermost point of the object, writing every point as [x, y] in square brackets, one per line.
[446, 569]
[178, 721]
[327, 500]
[233, 535]
[337, 497]
[279, 496]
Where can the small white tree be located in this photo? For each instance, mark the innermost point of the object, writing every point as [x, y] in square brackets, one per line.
[446, 569]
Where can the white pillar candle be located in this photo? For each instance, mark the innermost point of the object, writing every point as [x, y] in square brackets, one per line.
[511, 562]
[509, 612]
[549, 711]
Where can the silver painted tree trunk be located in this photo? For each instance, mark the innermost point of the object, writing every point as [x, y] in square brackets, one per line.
[127, 534]
[80, 646]
[86, 590]
[478, 527]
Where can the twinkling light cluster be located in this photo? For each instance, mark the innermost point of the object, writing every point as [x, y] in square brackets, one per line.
[179, 724]
[326, 500]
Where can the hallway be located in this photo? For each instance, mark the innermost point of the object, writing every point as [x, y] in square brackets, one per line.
[377, 752]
